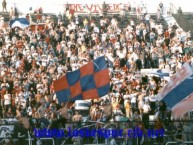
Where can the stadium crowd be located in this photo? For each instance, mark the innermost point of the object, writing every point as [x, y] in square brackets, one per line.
[32, 60]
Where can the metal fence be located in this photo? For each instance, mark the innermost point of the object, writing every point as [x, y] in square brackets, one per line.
[180, 143]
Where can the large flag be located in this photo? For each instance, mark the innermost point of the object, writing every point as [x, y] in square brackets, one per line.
[178, 93]
[178, 81]
[91, 81]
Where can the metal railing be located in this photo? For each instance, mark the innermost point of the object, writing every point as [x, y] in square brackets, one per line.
[178, 143]
[31, 139]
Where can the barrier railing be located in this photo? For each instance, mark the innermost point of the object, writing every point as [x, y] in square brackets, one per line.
[31, 139]
[178, 143]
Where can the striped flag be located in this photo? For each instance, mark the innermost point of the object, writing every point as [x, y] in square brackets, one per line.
[91, 81]
[177, 79]
[178, 93]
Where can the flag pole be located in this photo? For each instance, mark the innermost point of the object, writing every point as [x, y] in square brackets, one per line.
[68, 101]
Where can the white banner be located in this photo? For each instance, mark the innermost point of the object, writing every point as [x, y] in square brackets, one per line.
[56, 6]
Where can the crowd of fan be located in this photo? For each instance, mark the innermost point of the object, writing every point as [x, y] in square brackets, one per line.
[31, 60]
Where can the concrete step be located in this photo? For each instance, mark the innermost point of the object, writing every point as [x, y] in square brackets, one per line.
[185, 21]
[121, 23]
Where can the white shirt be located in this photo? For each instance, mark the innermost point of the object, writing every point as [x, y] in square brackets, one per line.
[137, 32]
[152, 35]
[117, 45]
[147, 17]
[102, 22]
[121, 55]
[67, 32]
[160, 31]
[69, 53]
[60, 69]
[126, 96]
[179, 48]
[118, 112]
[132, 23]
[96, 29]
[29, 111]
[134, 56]
[18, 63]
[152, 25]
[104, 36]
[7, 99]
[44, 62]
[141, 104]
[133, 99]
[179, 65]
[146, 108]
[113, 21]
[152, 99]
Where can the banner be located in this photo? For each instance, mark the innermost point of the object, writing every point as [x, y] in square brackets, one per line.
[95, 8]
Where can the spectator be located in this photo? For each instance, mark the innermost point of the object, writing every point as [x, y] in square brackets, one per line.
[53, 121]
[4, 6]
[12, 13]
[7, 101]
[128, 109]
[105, 9]
[145, 115]
[77, 117]
[117, 113]
[161, 7]
[9, 113]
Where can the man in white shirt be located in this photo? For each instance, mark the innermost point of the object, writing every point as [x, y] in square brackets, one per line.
[145, 116]
[133, 101]
[147, 18]
[146, 108]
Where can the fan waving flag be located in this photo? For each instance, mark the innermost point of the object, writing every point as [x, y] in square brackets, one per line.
[91, 81]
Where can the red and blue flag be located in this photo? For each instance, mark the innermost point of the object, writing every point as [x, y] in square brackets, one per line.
[91, 81]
